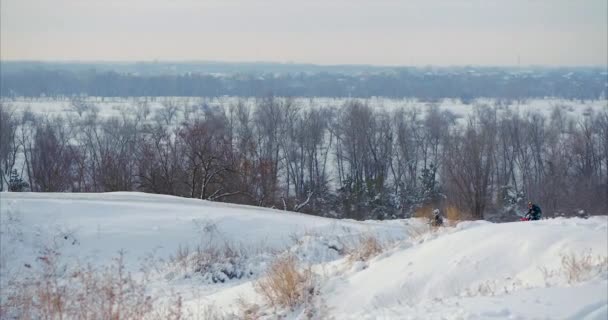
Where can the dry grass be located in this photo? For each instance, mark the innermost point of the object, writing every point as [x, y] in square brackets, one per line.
[453, 215]
[487, 288]
[248, 311]
[419, 231]
[493, 288]
[366, 247]
[59, 292]
[286, 285]
[576, 268]
[209, 312]
[424, 212]
[182, 258]
[579, 268]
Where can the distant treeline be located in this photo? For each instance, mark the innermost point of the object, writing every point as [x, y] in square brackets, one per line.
[351, 162]
[208, 80]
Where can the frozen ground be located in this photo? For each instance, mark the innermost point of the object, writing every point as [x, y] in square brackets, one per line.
[551, 269]
[95, 227]
[114, 106]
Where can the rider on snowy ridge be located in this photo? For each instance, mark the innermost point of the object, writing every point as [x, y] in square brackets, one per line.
[437, 220]
[534, 212]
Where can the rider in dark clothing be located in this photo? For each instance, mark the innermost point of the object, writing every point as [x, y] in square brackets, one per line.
[534, 212]
[437, 220]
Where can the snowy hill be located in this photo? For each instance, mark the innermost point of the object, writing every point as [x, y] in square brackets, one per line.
[99, 225]
[483, 269]
[555, 269]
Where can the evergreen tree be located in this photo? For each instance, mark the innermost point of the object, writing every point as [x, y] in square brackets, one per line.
[429, 191]
[16, 183]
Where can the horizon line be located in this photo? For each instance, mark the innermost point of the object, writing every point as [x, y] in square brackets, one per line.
[287, 63]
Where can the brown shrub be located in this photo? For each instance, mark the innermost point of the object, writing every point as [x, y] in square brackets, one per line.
[424, 212]
[58, 292]
[286, 286]
[367, 247]
[453, 214]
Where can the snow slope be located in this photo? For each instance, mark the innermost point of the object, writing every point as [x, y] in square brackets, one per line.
[482, 270]
[95, 227]
[475, 270]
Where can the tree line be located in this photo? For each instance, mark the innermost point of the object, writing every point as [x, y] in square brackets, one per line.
[354, 161]
[438, 83]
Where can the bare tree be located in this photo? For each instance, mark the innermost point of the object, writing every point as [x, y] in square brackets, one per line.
[206, 146]
[306, 146]
[468, 163]
[160, 163]
[602, 129]
[168, 112]
[9, 147]
[269, 116]
[52, 157]
[354, 161]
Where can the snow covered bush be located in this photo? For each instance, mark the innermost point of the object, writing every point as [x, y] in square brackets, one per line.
[220, 264]
[16, 182]
[512, 200]
[317, 248]
[214, 263]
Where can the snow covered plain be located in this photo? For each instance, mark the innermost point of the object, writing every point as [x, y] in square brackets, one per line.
[551, 269]
[115, 106]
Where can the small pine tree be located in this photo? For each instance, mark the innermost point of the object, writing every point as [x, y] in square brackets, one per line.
[16, 183]
[365, 200]
[429, 187]
[510, 202]
[511, 199]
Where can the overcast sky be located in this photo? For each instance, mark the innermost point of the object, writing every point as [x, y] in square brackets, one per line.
[382, 32]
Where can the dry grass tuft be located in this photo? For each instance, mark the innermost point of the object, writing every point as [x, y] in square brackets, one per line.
[212, 312]
[576, 268]
[248, 311]
[453, 215]
[367, 247]
[286, 286]
[58, 292]
[579, 268]
[417, 232]
[424, 212]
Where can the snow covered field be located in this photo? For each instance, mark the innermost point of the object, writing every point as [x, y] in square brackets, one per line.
[551, 269]
[114, 106]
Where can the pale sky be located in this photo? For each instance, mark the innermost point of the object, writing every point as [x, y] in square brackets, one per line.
[381, 32]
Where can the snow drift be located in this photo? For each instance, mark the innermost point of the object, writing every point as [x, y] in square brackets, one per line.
[555, 269]
[478, 260]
